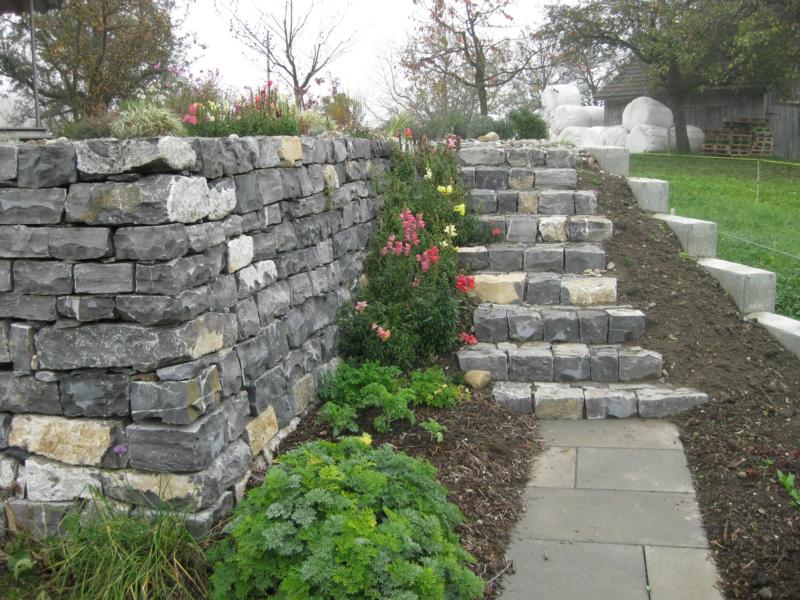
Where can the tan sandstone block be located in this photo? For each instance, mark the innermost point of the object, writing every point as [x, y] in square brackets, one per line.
[261, 430]
[477, 379]
[589, 291]
[290, 150]
[70, 441]
[504, 288]
[528, 202]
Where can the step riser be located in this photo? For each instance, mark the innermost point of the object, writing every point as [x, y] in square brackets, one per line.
[551, 258]
[544, 289]
[533, 229]
[533, 202]
[612, 326]
[482, 155]
[554, 401]
[564, 363]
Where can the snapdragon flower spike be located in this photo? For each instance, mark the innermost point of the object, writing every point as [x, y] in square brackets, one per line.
[428, 258]
[468, 338]
[465, 283]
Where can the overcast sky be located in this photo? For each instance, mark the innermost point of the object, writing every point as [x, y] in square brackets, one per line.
[375, 26]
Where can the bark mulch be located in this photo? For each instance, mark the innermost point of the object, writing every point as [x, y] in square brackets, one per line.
[750, 427]
[483, 461]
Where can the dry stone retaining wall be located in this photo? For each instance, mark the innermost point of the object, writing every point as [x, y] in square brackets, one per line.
[167, 307]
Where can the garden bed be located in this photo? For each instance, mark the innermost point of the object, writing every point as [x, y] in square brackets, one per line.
[752, 424]
[483, 460]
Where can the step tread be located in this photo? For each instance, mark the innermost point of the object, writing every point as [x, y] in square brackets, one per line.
[596, 401]
[514, 287]
[534, 257]
[547, 228]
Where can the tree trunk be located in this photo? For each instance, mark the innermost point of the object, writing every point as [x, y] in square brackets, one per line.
[483, 99]
[681, 135]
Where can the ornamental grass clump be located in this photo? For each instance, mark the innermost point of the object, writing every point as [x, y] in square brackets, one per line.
[345, 521]
[141, 118]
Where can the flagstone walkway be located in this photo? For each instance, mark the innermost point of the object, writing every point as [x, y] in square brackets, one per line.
[610, 515]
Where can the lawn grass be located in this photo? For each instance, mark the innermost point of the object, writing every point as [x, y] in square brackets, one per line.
[724, 190]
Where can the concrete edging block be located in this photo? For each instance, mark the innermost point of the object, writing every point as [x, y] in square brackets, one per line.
[697, 237]
[784, 329]
[753, 290]
[651, 195]
[612, 159]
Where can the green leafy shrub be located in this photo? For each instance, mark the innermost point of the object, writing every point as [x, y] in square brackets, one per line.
[108, 554]
[88, 128]
[353, 388]
[144, 119]
[526, 125]
[435, 429]
[466, 126]
[344, 521]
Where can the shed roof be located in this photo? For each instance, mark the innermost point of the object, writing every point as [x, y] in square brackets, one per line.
[22, 6]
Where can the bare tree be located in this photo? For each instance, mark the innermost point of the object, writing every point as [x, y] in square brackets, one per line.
[292, 41]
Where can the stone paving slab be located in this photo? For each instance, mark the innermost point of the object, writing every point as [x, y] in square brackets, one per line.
[617, 517]
[548, 570]
[612, 434]
[554, 468]
[645, 470]
[685, 573]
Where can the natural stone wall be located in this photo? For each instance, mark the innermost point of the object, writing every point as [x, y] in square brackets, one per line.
[167, 307]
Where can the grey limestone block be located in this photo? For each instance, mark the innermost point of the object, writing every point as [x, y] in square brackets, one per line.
[5, 276]
[561, 326]
[258, 189]
[513, 395]
[5, 429]
[232, 226]
[506, 257]
[483, 202]
[530, 362]
[522, 228]
[42, 277]
[484, 357]
[103, 278]
[8, 161]
[5, 351]
[520, 179]
[524, 324]
[586, 202]
[556, 202]
[20, 241]
[39, 519]
[176, 402]
[27, 307]
[102, 157]
[593, 326]
[177, 275]
[86, 308]
[543, 288]
[174, 448]
[230, 371]
[294, 365]
[79, 243]
[21, 346]
[263, 351]
[625, 325]
[604, 403]
[560, 158]
[272, 389]
[473, 258]
[23, 393]
[298, 327]
[246, 313]
[205, 235]
[467, 177]
[507, 202]
[300, 288]
[255, 277]
[274, 301]
[487, 178]
[555, 179]
[544, 257]
[571, 362]
[95, 394]
[664, 402]
[163, 310]
[491, 323]
[46, 165]
[580, 257]
[31, 206]
[161, 242]
[264, 245]
[285, 237]
[589, 229]
[558, 401]
[109, 345]
[222, 292]
[519, 157]
[200, 523]
[605, 364]
[481, 155]
[636, 364]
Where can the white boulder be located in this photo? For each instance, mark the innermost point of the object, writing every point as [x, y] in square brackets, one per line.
[614, 136]
[568, 115]
[592, 136]
[558, 95]
[572, 135]
[647, 138]
[646, 111]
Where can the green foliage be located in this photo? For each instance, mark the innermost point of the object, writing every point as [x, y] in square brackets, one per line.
[466, 126]
[353, 388]
[787, 481]
[526, 125]
[88, 128]
[436, 429]
[143, 119]
[344, 521]
[107, 554]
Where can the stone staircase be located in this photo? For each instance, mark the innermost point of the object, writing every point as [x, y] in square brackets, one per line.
[549, 329]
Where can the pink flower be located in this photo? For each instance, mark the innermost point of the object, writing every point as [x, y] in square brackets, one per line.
[361, 306]
[384, 334]
[496, 231]
[191, 119]
[427, 258]
[468, 338]
[464, 283]
[408, 133]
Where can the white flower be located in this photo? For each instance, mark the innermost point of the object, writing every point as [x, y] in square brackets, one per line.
[428, 173]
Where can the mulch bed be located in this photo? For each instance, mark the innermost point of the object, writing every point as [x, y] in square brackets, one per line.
[753, 417]
[484, 461]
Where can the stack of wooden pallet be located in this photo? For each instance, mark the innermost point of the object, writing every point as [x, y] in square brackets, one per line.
[748, 136]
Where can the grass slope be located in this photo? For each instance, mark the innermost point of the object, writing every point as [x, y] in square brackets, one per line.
[724, 190]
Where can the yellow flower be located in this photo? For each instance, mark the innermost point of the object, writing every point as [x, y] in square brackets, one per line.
[444, 244]
[366, 439]
[450, 230]
[445, 190]
[461, 209]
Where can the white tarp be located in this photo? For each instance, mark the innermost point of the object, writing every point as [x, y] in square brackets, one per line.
[696, 138]
[598, 115]
[592, 136]
[614, 136]
[648, 138]
[569, 115]
[646, 111]
[558, 95]
[572, 135]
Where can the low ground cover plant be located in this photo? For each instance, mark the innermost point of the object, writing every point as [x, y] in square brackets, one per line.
[344, 520]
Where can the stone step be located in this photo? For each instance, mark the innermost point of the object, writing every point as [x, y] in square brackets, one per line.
[525, 155]
[534, 258]
[552, 229]
[544, 288]
[543, 361]
[500, 178]
[534, 201]
[596, 401]
[523, 323]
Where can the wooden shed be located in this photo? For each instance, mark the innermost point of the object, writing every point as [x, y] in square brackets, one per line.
[708, 108]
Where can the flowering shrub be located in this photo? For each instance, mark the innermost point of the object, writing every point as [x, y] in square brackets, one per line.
[345, 520]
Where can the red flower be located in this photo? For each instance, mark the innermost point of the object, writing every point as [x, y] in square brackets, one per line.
[468, 338]
[465, 283]
[496, 231]
[408, 133]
